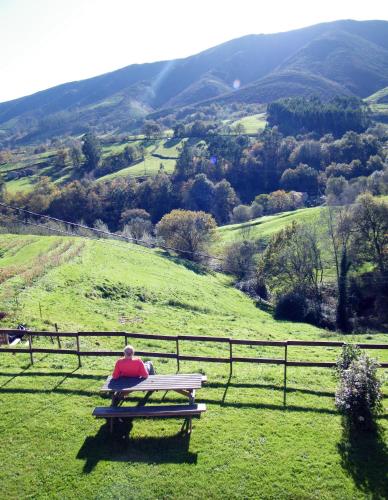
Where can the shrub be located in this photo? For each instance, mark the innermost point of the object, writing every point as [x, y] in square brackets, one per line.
[187, 232]
[256, 210]
[239, 258]
[348, 354]
[291, 306]
[358, 396]
[241, 213]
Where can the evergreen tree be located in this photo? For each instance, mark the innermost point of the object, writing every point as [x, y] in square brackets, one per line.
[92, 151]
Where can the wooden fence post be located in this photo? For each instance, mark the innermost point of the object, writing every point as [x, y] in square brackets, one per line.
[59, 340]
[30, 344]
[79, 356]
[177, 352]
[230, 358]
[285, 375]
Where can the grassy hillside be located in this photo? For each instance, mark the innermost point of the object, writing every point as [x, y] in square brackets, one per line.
[116, 286]
[28, 167]
[56, 448]
[265, 227]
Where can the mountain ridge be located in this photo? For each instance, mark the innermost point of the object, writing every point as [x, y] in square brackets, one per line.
[343, 57]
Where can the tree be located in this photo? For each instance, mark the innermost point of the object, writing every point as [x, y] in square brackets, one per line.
[225, 199]
[61, 158]
[76, 156]
[241, 213]
[151, 129]
[340, 228]
[239, 129]
[5, 156]
[370, 219]
[92, 151]
[133, 213]
[278, 201]
[137, 228]
[238, 258]
[200, 195]
[187, 232]
[292, 261]
[336, 188]
[302, 178]
[256, 210]
[179, 130]
[308, 152]
[2, 188]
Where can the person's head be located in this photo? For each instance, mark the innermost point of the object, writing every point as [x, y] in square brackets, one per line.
[129, 351]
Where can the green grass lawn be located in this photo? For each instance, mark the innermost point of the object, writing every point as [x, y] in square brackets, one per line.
[246, 445]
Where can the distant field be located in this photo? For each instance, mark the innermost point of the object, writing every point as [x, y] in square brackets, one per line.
[265, 227]
[252, 123]
[168, 150]
[39, 163]
[55, 446]
[149, 167]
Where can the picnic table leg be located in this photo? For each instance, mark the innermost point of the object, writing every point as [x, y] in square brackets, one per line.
[189, 393]
[187, 425]
[144, 401]
[184, 426]
[117, 397]
[192, 397]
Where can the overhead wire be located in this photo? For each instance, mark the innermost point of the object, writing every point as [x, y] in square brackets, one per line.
[105, 241]
[106, 233]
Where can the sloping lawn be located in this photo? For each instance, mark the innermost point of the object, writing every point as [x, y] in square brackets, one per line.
[246, 445]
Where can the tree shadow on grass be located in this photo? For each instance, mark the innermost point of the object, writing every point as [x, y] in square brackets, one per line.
[278, 388]
[73, 374]
[364, 454]
[119, 447]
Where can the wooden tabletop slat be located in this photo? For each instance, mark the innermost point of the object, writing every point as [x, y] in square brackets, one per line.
[154, 383]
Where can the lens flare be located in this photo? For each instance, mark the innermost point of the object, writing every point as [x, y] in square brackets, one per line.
[236, 84]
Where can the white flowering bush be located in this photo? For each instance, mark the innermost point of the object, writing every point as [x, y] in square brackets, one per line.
[349, 353]
[358, 396]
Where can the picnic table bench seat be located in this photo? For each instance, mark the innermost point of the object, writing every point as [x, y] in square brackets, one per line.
[172, 411]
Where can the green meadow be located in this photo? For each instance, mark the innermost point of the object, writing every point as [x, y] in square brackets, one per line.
[252, 123]
[264, 227]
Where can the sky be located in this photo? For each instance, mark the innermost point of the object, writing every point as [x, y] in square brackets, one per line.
[47, 42]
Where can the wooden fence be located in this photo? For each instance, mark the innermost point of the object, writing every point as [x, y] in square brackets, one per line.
[175, 341]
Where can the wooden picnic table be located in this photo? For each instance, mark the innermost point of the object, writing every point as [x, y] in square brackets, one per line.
[185, 384]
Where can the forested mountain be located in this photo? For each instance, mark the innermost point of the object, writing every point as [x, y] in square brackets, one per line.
[339, 58]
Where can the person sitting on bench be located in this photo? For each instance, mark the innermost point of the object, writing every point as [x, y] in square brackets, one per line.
[128, 366]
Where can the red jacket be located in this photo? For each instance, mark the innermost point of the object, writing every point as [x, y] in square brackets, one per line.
[127, 367]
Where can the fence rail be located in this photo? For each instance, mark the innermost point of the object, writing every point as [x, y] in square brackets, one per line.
[178, 339]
